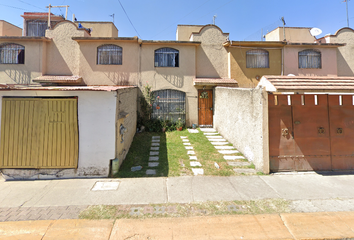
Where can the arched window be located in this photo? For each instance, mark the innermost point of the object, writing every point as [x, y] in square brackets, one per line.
[166, 57]
[310, 58]
[12, 53]
[109, 55]
[169, 105]
[257, 58]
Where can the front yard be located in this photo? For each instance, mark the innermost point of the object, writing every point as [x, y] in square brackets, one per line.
[173, 158]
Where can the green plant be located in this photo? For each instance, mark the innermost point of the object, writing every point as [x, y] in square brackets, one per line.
[146, 102]
[179, 123]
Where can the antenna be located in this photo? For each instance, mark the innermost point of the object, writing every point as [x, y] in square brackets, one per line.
[50, 6]
[112, 17]
[346, 3]
[214, 17]
[283, 20]
[315, 31]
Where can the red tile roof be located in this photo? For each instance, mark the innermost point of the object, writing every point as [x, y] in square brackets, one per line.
[325, 83]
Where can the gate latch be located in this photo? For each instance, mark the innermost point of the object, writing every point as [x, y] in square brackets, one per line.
[321, 130]
[284, 132]
[339, 130]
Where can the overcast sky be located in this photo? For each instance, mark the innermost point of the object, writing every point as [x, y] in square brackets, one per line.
[158, 19]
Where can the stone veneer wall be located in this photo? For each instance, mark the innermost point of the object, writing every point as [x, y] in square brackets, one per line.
[241, 116]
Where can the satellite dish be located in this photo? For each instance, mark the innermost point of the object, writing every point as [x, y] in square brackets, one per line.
[315, 31]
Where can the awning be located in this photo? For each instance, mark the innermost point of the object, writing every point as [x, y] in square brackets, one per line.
[58, 79]
[215, 82]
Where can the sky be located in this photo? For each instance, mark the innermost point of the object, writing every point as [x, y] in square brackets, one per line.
[158, 19]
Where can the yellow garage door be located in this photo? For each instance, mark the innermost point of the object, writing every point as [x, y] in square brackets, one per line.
[39, 133]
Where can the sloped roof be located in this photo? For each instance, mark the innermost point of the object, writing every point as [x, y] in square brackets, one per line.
[306, 83]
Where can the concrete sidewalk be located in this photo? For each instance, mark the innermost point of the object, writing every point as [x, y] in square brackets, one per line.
[69, 192]
[338, 225]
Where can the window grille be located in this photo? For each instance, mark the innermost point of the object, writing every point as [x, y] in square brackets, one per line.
[309, 59]
[169, 105]
[12, 53]
[109, 55]
[166, 57]
[257, 59]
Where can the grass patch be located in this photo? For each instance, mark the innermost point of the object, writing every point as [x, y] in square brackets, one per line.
[173, 158]
[264, 206]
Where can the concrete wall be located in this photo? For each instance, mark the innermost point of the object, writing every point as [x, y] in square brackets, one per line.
[177, 78]
[212, 57]
[246, 77]
[184, 32]
[127, 116]
[94, 74]
[8, 29]
[328, 58]
[294, 35]
[35, 58]
[241, 116]
[97, 135]
[100, 29]
[62, 51]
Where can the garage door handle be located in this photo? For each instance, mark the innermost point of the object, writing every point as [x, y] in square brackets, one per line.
[321, 130]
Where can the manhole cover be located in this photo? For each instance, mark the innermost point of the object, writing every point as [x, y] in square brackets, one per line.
[105, 186]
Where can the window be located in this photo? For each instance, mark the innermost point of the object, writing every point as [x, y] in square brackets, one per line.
[310, 59]
[166, 57]
[12, 53]
[257, 59]
[109, 54]
[169, 105]
[36, 28]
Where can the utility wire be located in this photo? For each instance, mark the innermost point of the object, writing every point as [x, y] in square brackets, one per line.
[31, 5]
[129, 19]
[13, 7]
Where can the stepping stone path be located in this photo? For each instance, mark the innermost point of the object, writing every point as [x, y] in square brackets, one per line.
[196, 166]
[154, 155]
[238, 162]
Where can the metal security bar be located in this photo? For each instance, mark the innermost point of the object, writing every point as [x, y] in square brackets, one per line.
[109, 54]
[12, 54]
[169, 105]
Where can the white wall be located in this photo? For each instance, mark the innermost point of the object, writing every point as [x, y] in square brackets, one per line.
[241, 116]
[96, 116]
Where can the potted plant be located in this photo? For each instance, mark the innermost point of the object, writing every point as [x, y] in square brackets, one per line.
[164, 125]
[179, 124]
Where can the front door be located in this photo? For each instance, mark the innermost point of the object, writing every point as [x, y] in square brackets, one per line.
[205, 108]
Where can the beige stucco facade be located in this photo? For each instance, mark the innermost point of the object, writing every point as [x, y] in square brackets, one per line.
[34, 65]
[328, 61]
[100, 29]
[292, 34]
[345, 57]
[184, 32]
[212, 57]
[8, 29]
[249, 77]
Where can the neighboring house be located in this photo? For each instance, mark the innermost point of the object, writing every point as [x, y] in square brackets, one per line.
[8, 29]
[54, 124]
[345, 57]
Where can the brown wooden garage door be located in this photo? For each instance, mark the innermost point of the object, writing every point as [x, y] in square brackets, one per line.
[311, 132]
[39, 133]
